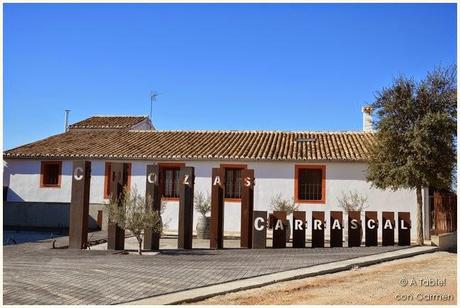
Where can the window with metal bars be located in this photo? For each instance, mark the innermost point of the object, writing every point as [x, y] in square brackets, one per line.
[309, 183]
[50, 174]
[108, 175]
[170, 182]
[232, 183]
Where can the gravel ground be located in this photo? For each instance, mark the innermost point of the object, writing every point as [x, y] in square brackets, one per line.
[405, 281]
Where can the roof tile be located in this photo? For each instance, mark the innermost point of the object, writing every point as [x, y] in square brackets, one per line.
[186, 145]
[108, 122]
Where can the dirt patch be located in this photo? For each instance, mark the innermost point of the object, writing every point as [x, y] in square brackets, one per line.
[425, 279]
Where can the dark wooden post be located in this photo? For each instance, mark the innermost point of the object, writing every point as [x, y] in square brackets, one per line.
[318, 225]
[388, 225]
[116, 235]
[279, 229]
[79, 204]
[153, 202]
[298, 229]
[354, 229]
[371, 228]
[259, 231]
[404, 225]
[217, 208]
[336, 227]
[186, 187]
[247, 207]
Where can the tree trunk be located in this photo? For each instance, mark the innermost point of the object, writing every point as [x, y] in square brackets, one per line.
[419, 216]
[139, 241]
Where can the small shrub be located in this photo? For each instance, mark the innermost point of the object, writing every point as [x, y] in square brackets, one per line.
[352, 201]
[278, 203]
[202, 203]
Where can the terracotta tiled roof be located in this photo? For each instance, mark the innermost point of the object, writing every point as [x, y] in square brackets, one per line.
[109, 122]
[200, 145]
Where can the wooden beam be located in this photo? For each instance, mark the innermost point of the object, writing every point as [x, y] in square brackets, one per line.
[247, 207]
[217, 208]
[79, 204]
[186, 187]
[153, 202]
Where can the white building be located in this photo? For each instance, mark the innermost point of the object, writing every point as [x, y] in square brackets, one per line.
[312, 167]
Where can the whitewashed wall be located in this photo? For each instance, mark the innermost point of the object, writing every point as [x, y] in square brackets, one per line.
[23, 177]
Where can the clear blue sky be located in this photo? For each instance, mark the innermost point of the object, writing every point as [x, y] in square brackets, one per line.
[217, 66]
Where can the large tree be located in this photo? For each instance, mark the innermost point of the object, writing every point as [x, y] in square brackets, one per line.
[415, 139]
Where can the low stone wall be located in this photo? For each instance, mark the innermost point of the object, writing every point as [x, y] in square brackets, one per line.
[46, 215]
[445, 241]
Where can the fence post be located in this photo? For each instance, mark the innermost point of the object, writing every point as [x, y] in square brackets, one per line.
[298, 229]
[371, 228]
[336, 227]
[318, 225]
[404, 226]
[79, 204]
[217, 208]
[186, 187]
[116, 234]
[153, 202]
[354, 229]
[247, 207]
[279, 229]
[259, 231]
[388, 233]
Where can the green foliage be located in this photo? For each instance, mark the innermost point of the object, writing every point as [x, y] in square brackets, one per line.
[415, 133]
[202, 203]
[131, 213]
[352, 201]
[416, 136]
[278, 203]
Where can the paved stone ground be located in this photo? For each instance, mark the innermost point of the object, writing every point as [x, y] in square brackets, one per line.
[35, 274]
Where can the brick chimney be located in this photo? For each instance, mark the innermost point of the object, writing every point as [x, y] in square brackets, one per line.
[367, 119]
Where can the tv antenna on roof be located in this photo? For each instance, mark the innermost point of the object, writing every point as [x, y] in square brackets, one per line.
[153, 97]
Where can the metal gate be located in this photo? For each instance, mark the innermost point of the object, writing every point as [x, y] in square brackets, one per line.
[444, 213]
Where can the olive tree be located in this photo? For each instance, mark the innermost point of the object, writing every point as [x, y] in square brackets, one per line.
[130, 212]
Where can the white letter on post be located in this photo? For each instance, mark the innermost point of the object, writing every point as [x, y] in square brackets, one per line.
[369, 224]
[279, 225]
[354, 224]
[298, 224]
[259, 224]
[336, 224]
[186, 180]
[78, 173]
[247, 181]
[152, 178]
[216, 180]
[317, 224]
[403, 227]
[388, 225]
